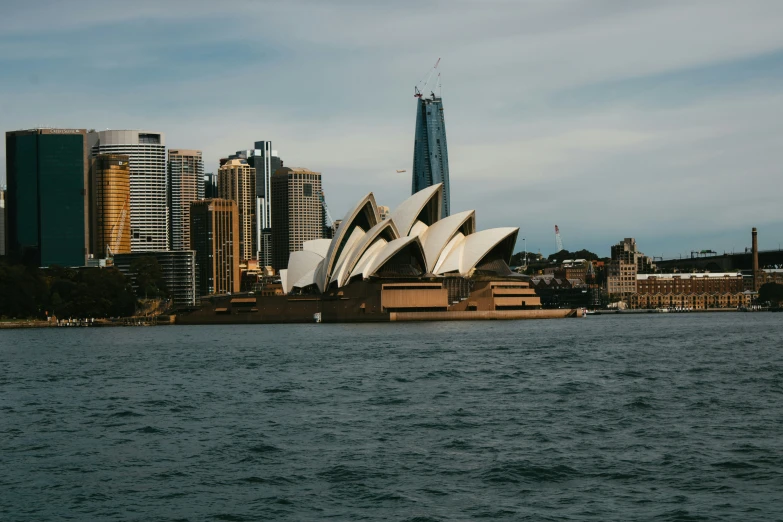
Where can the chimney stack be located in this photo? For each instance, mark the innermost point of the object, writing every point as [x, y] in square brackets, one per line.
[756, 278]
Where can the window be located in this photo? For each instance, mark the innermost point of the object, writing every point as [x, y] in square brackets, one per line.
[307, 189]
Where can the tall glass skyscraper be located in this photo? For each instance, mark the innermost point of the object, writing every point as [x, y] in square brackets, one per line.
[47, 200]
[430, 154]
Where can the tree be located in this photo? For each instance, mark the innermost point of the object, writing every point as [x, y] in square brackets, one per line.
[149, 278]
[771, 293]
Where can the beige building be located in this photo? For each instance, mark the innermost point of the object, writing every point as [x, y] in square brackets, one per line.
[627, 252]
[695, 291]
[186, 185]
[621, 279]
[214, 235]
[297, 213]
[237, 182]
[383, 212]
[690, 301]
[110, 194]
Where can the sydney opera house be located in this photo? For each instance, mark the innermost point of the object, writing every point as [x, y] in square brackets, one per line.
[413, 265]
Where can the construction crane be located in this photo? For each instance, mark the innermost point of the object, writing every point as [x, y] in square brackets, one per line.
[419, 88]
[111, 249]
[330, 221]
[558, 239]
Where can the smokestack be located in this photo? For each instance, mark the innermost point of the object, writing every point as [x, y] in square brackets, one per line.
[756, 278]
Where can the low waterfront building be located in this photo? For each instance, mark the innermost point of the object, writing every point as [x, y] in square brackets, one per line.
[694, 291]
[178, 268]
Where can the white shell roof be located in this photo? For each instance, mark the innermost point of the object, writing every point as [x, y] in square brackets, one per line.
[299, 264]
[347, 224]
[405, 215]
[340, 267]
[466, 255]
[353, 255]
[447, 245]
[368, 258]
[388, 251]
[436, 237]
[319, 246]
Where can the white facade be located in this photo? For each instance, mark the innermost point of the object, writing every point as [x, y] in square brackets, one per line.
[146, 151]
[186, 185]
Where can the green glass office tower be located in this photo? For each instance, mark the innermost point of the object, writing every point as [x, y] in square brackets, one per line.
[47, 201]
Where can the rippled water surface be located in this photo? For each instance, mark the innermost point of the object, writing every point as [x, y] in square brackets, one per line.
[663, 417]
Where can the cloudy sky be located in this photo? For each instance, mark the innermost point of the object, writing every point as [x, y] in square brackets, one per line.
[657, 120]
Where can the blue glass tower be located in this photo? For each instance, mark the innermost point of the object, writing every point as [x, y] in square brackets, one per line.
[430, 153]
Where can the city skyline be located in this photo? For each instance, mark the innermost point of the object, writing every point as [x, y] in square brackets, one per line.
[670, 141]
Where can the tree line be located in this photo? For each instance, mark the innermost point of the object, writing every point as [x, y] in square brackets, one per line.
[31, 292]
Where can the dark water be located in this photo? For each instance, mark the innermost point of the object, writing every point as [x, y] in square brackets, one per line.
[657, 417]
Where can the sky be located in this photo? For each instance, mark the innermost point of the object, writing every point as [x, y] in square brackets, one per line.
[654, 120]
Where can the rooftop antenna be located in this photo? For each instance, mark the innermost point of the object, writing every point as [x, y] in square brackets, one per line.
[419, 88]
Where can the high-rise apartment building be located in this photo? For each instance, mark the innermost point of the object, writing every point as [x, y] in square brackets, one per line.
[186, 185]
[214, 226]
[237, 182]
[430, 153]
[383, 212]
[297, 213]
[47, 201]
[110, 202]
[2, 220]
[148, 202]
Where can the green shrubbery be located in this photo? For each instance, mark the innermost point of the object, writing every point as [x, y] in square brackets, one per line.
[30, 292]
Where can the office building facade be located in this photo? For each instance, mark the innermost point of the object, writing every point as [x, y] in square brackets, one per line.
[178, 269]
[266, 161]
[210, 186]
[47, 204]
[237, 182]
[430, 153]
[146, 151]
[110, 202]
[214, 225]
[297, 213]
[186, 185]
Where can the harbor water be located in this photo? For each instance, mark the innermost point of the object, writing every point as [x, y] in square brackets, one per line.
[652, 417]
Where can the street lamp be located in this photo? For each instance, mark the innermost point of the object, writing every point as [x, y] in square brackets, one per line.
[524, 242]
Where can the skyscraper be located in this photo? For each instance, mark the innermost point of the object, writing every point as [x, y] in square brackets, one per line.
[237, 182]
[430, 153]
[2, 220]
[148, 202]
[47, 202]
[186, 185]
[210, 186]
[266, 161]
[297, 214]
[214, 225]
[110, 202]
